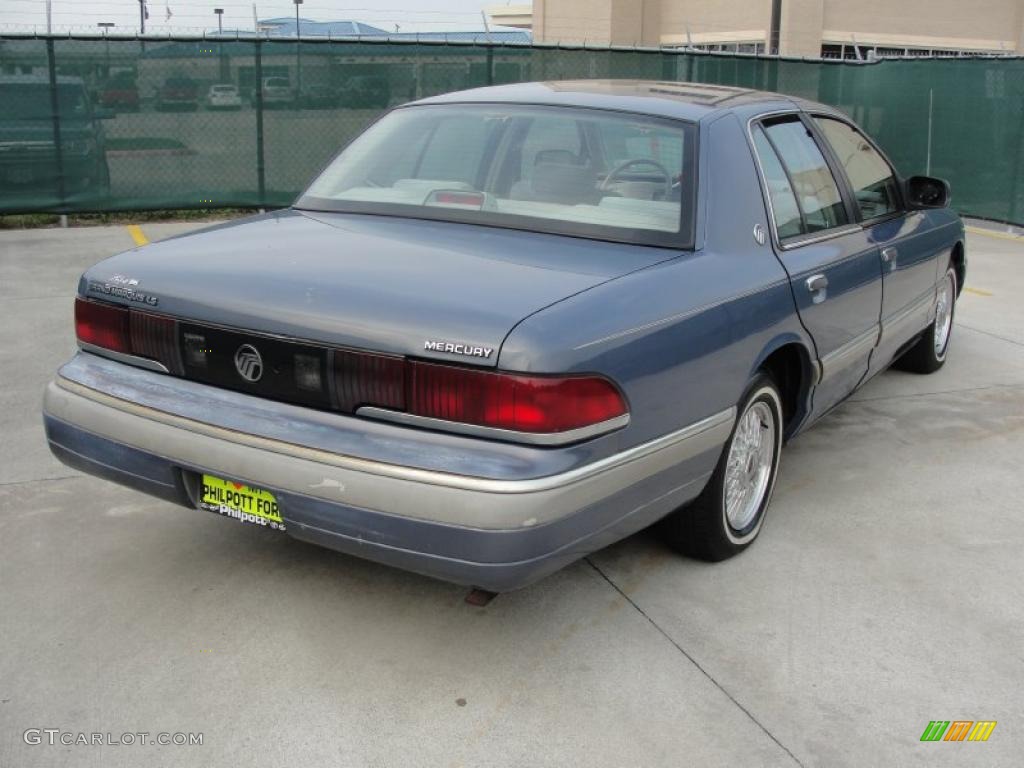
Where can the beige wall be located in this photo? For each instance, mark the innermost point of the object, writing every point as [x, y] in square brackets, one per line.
[988, 25]
[800, 27]
[601, 22]
[982, 24]
[713, 22]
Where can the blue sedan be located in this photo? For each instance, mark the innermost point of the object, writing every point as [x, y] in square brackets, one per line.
[509, 326]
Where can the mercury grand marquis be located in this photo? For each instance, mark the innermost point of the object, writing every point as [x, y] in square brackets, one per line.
[506, 327]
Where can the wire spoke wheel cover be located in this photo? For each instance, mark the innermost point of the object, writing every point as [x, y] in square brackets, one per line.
[750, 465]
[944, 314]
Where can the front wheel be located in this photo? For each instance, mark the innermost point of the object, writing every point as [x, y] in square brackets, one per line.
[727, 516]
[929, 353]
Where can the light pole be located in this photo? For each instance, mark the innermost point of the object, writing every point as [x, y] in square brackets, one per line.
[775, 25]
[298, 50]
[222, 62]
[106, 26]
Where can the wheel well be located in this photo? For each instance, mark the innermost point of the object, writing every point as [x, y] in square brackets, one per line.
[957, 257]
[790, 367]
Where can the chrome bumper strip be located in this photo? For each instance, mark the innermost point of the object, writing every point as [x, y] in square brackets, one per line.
[512, 436]
[121, 357]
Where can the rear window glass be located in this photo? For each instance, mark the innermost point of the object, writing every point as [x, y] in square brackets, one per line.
[572, 171]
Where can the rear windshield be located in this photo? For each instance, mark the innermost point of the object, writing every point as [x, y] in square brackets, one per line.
[583, 172]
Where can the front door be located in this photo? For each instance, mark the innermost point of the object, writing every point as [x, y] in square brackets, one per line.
[907, 248]
[833, 266]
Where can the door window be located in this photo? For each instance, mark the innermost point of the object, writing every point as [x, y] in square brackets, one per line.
[784, 207]
[817, 194]
[872, 179]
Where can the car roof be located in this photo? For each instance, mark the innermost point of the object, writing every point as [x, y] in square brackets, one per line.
[679, 100]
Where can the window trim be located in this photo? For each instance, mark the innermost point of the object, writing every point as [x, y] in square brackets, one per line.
[684, 238]
[859, 215]
[807, 238]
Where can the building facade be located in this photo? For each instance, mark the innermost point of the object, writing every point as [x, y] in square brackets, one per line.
[812, 28]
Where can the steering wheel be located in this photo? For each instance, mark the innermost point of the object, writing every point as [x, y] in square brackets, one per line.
[621, 168]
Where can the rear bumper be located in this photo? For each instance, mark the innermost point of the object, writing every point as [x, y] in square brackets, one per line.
[498, 534]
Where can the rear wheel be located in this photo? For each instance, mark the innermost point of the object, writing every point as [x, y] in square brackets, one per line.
[727, 516]
[929, 353]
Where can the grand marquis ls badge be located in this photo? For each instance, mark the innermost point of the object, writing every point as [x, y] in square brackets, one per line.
[248, 363]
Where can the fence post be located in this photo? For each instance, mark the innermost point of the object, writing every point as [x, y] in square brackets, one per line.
[260, 170]
[55, 112]
[490, 64]
[928, 151]
[1014, 181]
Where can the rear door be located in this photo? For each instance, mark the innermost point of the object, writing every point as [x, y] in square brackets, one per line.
[833, 266]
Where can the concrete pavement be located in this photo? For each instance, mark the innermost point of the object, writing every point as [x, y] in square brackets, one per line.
[886, 590]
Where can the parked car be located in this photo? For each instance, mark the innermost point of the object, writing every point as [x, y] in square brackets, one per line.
[319, 96]
[30, 169]
[178, 94]
[507, 327]
[223, 96]
[365, 91]
[120, 94]
[277, 92]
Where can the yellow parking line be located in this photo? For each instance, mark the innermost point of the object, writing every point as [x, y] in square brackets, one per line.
[136, 232]
[977, 291]
[990, 233]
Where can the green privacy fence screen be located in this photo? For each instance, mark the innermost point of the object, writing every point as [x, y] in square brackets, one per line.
[113, 124]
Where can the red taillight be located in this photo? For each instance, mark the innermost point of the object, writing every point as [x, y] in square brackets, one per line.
[536, 404]
[103, 325]
[155, 337]
[499, 400]
[361, 378]
[128, 331]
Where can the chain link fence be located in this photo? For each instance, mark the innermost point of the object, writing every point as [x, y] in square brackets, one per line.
[103, 124]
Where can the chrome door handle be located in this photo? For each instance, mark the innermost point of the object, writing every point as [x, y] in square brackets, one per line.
[817, 283]
[889, 256]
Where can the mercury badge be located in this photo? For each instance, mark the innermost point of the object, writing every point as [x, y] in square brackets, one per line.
[249, 363]
[760, 236]
[457, 348]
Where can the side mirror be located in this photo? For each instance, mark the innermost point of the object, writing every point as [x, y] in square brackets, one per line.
[926, 192]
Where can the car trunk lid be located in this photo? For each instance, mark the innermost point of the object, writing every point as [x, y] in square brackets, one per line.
[417, 288]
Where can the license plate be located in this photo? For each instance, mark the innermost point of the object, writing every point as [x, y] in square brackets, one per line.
[240, 501]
